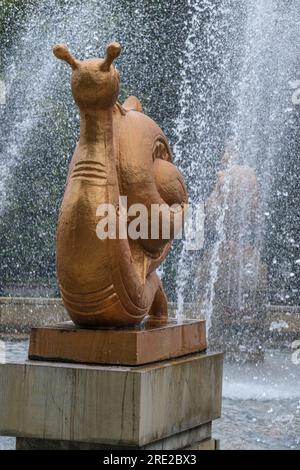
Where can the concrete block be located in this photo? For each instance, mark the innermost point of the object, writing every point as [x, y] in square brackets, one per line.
[177, 441]
[114, 405]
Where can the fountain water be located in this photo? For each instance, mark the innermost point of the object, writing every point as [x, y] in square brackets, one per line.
[225, 77]
[30, 143]
[233, 85]
[32, 168]
[205, 97]
[235, 88]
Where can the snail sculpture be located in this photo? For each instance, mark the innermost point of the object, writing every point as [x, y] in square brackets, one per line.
[112, 281]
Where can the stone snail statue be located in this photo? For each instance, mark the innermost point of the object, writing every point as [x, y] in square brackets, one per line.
[121, 152]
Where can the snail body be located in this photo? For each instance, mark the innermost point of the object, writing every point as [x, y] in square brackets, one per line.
[121, 153]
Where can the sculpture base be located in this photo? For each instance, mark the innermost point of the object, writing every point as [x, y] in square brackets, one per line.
[155, 340]
[207, 443]
[168, 405]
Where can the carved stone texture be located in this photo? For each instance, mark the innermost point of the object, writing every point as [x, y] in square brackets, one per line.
[121, 152]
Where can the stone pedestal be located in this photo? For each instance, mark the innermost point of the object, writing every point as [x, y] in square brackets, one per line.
[206, 443]
[164, 405]
[153, 340]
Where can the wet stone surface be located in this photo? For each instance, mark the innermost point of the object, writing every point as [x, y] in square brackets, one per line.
[261, 402]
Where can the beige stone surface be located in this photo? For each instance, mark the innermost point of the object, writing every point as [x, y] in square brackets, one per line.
[207, 444]
[177, 441]
[290, 315]
[110, 405]
[20, 314]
